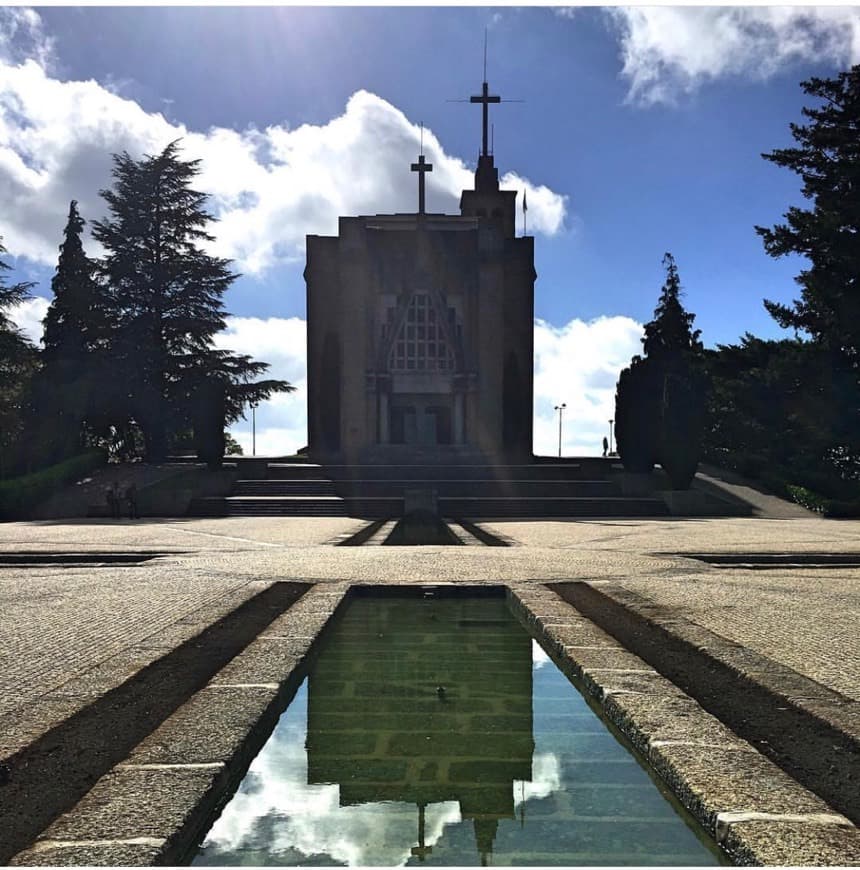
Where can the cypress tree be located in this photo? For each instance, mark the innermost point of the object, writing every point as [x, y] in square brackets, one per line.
[670, 336]
[77, 322]
[659, 400]
[73, 387]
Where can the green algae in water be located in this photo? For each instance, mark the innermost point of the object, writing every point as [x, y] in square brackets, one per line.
[438, 732]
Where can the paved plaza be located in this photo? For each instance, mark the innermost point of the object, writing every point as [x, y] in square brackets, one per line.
[73, 632]
[58, 622]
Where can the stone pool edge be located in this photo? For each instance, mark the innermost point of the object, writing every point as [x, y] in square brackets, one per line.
[750, 806]
[152, 808]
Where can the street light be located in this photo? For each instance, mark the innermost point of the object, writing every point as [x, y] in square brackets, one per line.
[560, 408]
[253, 428]
[610, 437]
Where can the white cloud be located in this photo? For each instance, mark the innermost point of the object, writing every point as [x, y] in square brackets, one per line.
[669, 51]
[270, 187]
[22, 36]
[546, 778]
[300, 819]
[281, 423]
[577, 364]
[28, 316]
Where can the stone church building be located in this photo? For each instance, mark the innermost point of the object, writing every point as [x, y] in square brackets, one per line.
[420, 331]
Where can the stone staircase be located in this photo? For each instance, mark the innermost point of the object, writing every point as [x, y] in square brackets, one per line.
[298, 489]
[566, 488]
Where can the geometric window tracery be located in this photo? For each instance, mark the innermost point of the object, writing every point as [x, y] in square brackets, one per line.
[420, 344]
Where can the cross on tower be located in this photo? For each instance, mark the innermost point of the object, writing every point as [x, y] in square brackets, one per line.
[485, 98]
[421, 167]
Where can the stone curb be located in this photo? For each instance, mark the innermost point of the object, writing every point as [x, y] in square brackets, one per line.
[151, 808]
[793, 688]
[753, 809]
[811, 731]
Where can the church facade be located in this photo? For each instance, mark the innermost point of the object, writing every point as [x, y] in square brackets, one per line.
[420, 331]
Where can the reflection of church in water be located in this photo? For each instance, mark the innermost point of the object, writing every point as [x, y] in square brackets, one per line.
[420, 329]
[379, 727]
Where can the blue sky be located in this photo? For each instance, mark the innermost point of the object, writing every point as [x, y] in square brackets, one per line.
[640, 132]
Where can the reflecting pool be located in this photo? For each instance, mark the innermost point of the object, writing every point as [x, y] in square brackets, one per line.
[437, 731]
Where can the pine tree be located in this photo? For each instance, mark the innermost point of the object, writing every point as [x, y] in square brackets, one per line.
[10, 294]
[828, 233]
[17, 364]
[167, 296]
[827, 158]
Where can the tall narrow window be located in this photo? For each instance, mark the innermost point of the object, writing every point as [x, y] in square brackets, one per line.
[420, 345]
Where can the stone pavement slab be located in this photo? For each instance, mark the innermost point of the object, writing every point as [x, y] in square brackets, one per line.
[60, 625]
[803, 617]
[57, 622]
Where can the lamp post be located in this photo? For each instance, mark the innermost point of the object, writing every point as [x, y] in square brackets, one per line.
[253, 428]
[560, 408]
[610, 436]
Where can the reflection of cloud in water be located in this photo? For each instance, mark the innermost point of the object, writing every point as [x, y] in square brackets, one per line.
[539, 657]
[546, 778]
[275, 811]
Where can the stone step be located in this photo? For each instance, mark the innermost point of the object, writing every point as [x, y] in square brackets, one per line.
[479, 488]
[479, 508]
[283, 487]
[259, 506]
[293, 471]
[587, 469]
[473, 508]
[611, 506]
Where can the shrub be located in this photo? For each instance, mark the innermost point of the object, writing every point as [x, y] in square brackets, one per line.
[19, 495]
[806, 497]
[837, 508]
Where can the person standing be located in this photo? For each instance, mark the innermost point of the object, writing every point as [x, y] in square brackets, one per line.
[131, 498]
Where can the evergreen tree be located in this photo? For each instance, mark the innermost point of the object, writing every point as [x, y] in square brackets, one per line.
[764, 387]
[77, 322]
[167, 297]
[659, 400]
[10, 294]
[73, 387]
[827, 158]
[670, 336]
[18, 360]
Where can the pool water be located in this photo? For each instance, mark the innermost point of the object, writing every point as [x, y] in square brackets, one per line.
[438, 731]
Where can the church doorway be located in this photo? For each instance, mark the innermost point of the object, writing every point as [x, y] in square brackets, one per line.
[421, 420]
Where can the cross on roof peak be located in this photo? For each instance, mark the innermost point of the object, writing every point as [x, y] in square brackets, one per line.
[485, 98]
[421, 167]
